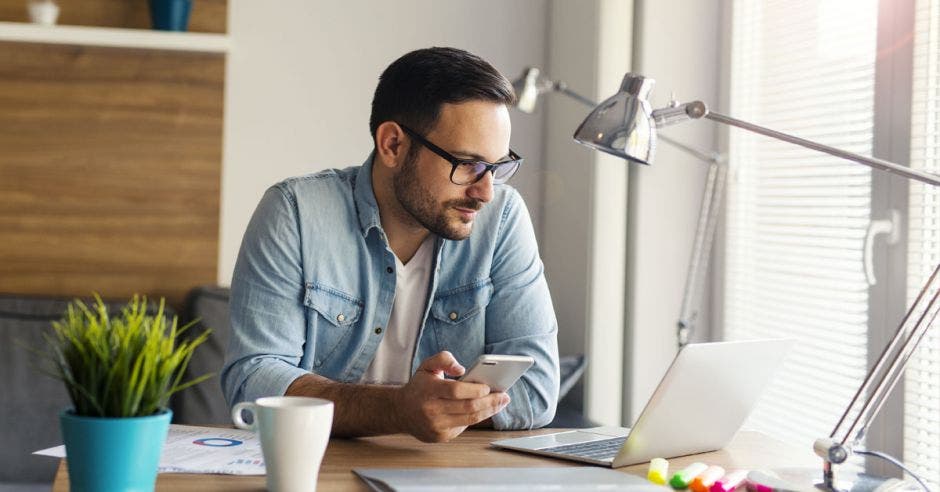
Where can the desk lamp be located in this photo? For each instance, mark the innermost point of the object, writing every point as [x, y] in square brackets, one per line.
[625, 125]
[532, 84]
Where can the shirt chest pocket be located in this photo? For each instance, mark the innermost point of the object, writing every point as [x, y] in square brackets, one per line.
[459, 318]
[332, 321]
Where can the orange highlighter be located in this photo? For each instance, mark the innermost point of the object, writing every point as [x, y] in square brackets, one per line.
[704, 481]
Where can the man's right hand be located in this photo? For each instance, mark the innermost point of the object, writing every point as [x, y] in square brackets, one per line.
[435, 409]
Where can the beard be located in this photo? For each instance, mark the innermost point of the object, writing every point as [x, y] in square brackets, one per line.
[417, 199]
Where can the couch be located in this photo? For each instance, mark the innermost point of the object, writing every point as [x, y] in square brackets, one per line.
[31, 400]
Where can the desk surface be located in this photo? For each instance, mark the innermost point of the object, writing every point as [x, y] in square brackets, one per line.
[749, 450]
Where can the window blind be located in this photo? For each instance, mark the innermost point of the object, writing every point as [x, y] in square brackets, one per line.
[795, 218]
[922, 379]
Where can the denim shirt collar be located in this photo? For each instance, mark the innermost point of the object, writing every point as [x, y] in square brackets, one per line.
[366, 206]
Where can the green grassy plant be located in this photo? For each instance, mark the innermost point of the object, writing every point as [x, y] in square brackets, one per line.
[126, 365]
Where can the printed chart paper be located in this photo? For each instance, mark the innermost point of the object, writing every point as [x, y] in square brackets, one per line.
[190, 449]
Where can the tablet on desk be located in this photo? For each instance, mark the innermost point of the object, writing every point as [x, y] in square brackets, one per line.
[522, 479]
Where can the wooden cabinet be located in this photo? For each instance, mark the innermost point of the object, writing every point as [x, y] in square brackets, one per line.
[110, 156]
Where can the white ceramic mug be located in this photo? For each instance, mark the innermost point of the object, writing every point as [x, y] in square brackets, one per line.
[43, 12]
[294, 433]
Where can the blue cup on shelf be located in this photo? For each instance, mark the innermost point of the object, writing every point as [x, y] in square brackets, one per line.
[170, 15]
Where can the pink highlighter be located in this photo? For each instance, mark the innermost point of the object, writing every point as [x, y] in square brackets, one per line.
[706, 479]
[767, 481]
[729, 482]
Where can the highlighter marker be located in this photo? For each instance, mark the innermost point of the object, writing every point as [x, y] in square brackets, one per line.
[767, 481]
[706, 479]
[683, 478]
[659, 471]
[729, 482]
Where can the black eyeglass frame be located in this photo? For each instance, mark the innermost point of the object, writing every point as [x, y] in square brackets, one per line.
[515, 160]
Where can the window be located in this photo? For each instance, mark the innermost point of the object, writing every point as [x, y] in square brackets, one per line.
[922, 379]
[796, 219]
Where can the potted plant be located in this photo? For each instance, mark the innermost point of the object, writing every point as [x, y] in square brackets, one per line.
[120, 371]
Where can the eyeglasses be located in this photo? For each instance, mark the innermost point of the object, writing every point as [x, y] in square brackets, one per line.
[469, 171]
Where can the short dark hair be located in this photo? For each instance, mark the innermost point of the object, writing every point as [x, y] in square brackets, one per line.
[413, 88]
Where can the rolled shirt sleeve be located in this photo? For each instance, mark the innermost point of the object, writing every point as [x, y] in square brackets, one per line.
[267, 314]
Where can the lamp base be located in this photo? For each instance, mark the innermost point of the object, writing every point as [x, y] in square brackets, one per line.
[810, 480]
[871, 483]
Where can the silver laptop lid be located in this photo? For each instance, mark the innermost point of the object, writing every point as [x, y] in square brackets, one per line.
[704, 398]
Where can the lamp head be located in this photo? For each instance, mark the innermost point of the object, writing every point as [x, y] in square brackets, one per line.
[527, 90]
[623, 124]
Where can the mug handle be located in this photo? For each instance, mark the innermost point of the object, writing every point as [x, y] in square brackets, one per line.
[237, 415]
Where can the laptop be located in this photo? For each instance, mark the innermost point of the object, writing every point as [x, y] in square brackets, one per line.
[701, 402]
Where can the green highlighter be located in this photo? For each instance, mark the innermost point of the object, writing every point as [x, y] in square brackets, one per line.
[684, 477]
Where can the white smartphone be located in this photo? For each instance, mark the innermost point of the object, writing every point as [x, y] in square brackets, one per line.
[499, 372]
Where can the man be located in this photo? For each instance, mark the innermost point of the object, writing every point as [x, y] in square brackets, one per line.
[374, 286]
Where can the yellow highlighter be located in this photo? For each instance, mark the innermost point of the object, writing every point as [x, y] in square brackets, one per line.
[707, 478]
[683, 478]
[659, 471]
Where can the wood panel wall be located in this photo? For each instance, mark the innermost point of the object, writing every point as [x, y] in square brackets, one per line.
[110, 166]
[206, 15]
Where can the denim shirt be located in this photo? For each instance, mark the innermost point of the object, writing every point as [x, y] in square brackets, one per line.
[315, 278]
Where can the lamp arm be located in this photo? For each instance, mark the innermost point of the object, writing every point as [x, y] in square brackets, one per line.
[834, 450]
[705, 230]
[713, 157]
[894, 358]
[698, 109]
[562, 87]
[701, 250]
[708, 211]
[892, 374]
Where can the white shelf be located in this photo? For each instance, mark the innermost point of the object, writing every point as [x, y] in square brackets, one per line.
[114, 37]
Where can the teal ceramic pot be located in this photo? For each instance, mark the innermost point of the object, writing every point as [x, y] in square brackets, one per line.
[113, 454]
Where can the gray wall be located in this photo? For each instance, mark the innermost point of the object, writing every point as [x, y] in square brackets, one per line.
[677, 43]
[585, 203]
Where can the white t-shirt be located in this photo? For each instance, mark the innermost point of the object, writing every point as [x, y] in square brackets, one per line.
[392, 362]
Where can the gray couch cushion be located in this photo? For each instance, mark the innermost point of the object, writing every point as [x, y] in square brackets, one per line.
[204, 403]
[25, 487]
[31, 400]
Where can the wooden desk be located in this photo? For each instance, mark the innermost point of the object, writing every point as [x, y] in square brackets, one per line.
[749, 450]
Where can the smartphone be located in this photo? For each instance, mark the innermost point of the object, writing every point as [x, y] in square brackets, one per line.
[499, 372]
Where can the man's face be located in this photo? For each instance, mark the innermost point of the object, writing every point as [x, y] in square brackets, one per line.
[471, 130]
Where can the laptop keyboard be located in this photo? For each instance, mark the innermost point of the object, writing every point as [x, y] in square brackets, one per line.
[603, 449]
